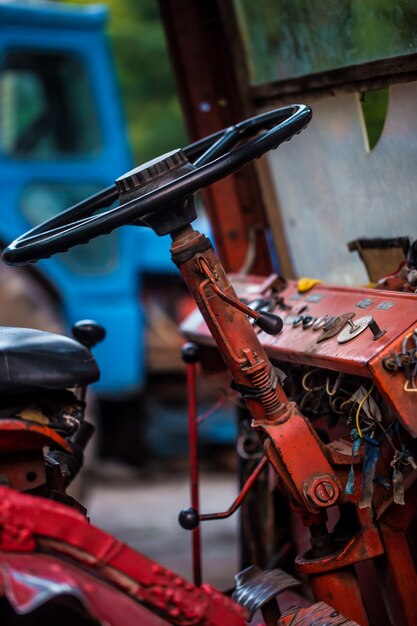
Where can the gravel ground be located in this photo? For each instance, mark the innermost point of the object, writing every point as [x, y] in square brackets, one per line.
[144, 515]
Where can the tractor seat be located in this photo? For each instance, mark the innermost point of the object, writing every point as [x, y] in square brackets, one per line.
[32, 360]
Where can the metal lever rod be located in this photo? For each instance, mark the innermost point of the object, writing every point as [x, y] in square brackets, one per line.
[241, 496]
[190, 518]
[190, 355]
[268, 322]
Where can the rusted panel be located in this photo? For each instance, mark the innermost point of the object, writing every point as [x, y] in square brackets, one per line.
[296, 345]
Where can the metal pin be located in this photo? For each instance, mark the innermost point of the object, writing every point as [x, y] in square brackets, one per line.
[353, 326]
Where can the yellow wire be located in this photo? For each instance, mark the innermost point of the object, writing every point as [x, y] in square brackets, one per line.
[408, 388]
[361, 403]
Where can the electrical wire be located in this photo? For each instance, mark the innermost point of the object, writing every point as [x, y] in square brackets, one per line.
[332, 392]
[360, 405]
[305, 378]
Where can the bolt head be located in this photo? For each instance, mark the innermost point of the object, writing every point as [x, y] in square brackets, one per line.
[324, 491]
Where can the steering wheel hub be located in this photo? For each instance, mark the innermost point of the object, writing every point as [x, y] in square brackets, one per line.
[153, 175]
[166, 165]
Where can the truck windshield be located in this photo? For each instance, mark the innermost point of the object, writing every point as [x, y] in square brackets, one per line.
[47, 107]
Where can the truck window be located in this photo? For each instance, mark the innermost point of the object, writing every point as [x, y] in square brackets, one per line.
[292, 38]
[47, 107]
[41, 200]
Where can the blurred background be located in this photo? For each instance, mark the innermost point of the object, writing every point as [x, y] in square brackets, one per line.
[154, 119]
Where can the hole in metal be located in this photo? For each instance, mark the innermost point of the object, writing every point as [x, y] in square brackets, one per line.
[374, 107]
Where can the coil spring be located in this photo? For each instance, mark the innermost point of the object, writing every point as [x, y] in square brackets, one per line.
[267, 394]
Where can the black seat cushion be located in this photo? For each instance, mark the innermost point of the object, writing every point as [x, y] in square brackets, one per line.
[31, 360]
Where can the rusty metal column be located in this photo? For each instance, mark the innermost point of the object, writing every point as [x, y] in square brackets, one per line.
[341, 590]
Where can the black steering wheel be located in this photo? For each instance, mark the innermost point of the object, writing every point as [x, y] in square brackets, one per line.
[208, 160]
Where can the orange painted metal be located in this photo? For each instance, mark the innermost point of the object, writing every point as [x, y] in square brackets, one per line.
[361, 356]
[341, 591]
[277, 420]
[24, 470]
[296, 345]
[230, 328]
[17, 435]
[304, 481]
[365, 544]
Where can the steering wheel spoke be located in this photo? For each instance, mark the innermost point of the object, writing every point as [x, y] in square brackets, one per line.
[224, 143]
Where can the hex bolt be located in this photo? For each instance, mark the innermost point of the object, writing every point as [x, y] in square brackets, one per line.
[324, 491]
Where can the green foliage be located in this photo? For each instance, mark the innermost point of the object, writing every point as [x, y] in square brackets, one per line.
[147, 82]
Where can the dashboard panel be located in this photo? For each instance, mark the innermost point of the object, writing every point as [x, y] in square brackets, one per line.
[357, 331]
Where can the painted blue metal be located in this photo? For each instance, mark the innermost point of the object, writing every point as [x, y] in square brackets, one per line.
[90, 17]
[108, 294]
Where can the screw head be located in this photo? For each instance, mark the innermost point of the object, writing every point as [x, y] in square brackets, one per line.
[324, 491]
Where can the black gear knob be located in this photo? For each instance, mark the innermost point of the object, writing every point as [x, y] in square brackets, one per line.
[190, 353]
[88, 332]
[270, 323]
[189, 518]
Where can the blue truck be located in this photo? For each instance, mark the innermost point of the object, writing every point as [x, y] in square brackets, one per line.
[62, 138]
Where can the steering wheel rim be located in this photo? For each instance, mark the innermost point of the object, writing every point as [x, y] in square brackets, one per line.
[79, 224]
